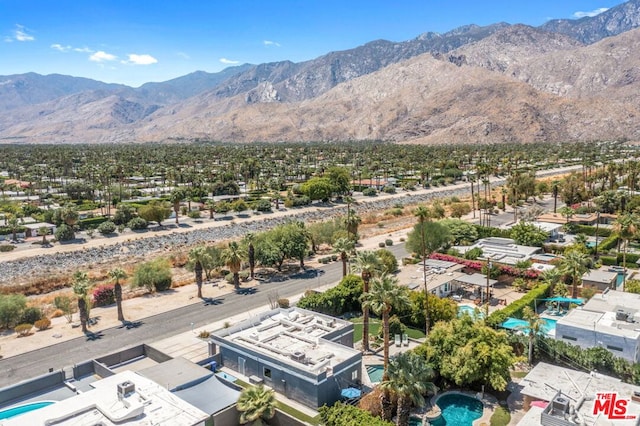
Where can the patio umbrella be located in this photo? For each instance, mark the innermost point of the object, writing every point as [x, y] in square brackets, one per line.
[351, 393]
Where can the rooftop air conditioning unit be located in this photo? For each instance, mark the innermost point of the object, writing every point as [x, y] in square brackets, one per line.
[298, 356]
[126, 388]
[560, 405]
[621, 315]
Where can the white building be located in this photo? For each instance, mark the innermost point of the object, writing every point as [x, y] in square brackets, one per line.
[502, 250]
[610, 320]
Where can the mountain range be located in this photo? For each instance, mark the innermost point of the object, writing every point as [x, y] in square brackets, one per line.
[567, 80]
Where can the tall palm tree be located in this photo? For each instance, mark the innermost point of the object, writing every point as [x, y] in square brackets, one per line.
[368, 264]
[198, 255]
[118, 274]
[248, 240]
[344, 246]
[534, 327]
[626, 226]
[233, 256]
[352, 220]
[177, 196]
[574, 265]
[409, 379]
[385, 295]
[81, 288]
[256, 403]
[424, 214]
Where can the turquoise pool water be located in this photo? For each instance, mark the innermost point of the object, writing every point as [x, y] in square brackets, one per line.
[375, 373]
[414, 421]
[466, 309]
[227, 377]
[458, 410]
[21, 409]
[548, 325]
[619, 280]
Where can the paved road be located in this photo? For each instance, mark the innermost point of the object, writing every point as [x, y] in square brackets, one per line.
[65, 354]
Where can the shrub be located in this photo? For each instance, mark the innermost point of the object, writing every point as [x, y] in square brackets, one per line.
[30, 315]
[262, 205]
[103, 295]
[106, 228]
[91, 222]
[43, 324]
[23, 329]
[536, 294]
[154, 275]
[137, 223]
[369, 192]
[381, 244]
[194, 214]
[388, 242]
[6, 247]
[345, 297]
[389, 189]
[283, 303]
[64, 233]
[388, 261]
[204, 334]
[66, 305]
[57, 313]
[609, 260]
[11, 307]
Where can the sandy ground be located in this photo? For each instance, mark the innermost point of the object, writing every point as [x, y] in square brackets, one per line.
[141, 307]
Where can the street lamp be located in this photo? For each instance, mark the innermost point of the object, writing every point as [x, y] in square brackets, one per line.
[488, 300]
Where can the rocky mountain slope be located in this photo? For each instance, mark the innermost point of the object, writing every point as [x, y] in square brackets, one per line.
[473, 84]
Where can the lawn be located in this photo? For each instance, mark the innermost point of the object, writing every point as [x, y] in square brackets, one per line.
[374, 329]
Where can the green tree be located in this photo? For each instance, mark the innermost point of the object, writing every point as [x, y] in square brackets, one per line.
[116, 275]
[198, 255]
[256, 404]
[352, 221]
[574, 265]
[340, 180]
[409, 379]
[248, 242]
[633, 286]
[43, 231]
[81, 289]
[233, 256]
[468, 352]
[368, 265]
[155, 211]
[341, 414]
[388, 261]
[155, 275]
[317, 188]
[385, 295]
[533, 329]
[626, 226]
[528, 234]
[462, 232]
[11, 308]
[177, 196]
[459, 209]
[344, 246]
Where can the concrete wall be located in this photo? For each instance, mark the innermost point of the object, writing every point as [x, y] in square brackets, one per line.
[37, 384]
[227, 417]
[122, 356]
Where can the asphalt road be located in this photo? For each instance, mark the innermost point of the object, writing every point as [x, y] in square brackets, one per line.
[147, 330]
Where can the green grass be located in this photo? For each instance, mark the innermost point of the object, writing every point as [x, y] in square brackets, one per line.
[374, 329]
[500, 417]
[518, 374]
[298, 414]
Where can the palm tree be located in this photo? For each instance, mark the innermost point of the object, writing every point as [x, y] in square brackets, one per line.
[233, 257]
[384, 296]
[574, 265]
[249, 239]
[344, 246]
[198, 255]
[43, 231]
[534, 326]
[177, 196]
[626, 226]
[352, 220]
[368, 264]
[118, 274]
[555, 186]
[424, 214]
[81, 289]
[256, 403]
[409, 379]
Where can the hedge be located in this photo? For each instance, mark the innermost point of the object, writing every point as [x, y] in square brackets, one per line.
[609, 260]
[91, 222]
[514, 310]
[608, 243]
[591, 230]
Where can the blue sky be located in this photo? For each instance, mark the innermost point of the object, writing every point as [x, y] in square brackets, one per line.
[136, 41]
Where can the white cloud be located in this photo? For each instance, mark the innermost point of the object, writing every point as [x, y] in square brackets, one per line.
[184, 55]
[590, 14]
[141, 59]
[228, 61]
[60, 47]
[101, 56]
[270, 43]
[82, 50]
[19, 34]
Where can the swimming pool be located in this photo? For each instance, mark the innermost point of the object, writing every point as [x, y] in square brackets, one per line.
[457, 410]
[469, 310]
[24, 408]
[375, 373]
[548, 325]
